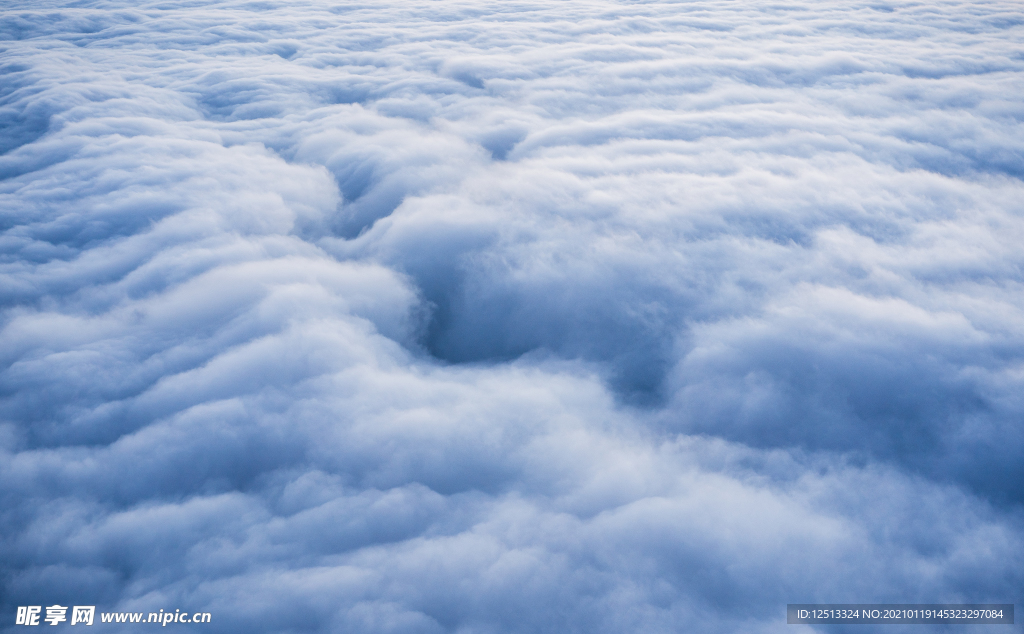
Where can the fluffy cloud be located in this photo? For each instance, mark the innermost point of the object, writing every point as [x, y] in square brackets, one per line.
[478, 317]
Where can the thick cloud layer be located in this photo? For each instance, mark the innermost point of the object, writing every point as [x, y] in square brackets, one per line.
[478, 317]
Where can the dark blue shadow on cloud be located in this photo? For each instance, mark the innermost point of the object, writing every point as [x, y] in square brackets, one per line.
[895, 406]
[469, 79]
[500, 142]
[473, 323]
[20, 126]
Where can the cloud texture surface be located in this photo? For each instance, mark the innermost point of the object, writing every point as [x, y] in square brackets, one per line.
[481, 317]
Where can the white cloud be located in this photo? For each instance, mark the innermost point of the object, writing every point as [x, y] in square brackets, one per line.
[476, 317]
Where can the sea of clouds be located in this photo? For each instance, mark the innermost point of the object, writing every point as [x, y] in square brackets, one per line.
[480, 317]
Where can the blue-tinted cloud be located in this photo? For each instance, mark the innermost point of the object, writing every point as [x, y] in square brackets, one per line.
[474, 317]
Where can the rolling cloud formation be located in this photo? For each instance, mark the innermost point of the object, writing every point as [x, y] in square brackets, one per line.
[481, 317]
